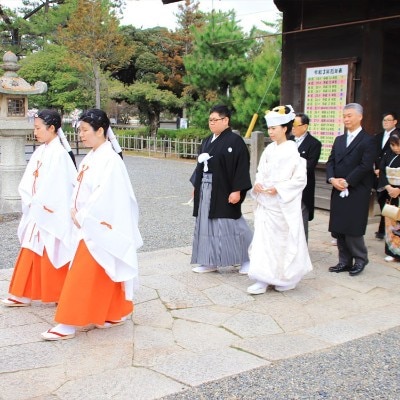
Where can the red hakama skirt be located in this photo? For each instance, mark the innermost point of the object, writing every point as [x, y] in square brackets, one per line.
[89, 296]
[36, 278]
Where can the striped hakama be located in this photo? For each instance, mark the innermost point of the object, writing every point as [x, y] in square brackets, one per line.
[218, 241]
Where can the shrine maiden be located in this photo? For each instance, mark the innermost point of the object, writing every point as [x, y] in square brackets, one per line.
[104, 271]
[45, 228]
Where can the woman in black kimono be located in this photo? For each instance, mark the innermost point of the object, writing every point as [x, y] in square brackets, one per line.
[389, 180]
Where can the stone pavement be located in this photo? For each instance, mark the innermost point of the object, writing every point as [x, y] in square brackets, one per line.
[190, 328]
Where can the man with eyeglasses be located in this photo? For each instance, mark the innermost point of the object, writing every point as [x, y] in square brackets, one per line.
[310, 149]
[221, 180]
[389, 122]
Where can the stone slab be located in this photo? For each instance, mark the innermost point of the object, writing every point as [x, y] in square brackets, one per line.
[197, 337]
[122, 384]
[209, 365]
[278, 347]
[152, 343]
[250, 324]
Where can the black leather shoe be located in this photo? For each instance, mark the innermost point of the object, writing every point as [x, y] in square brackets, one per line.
[339, 268]
[357, 269]
[379, 235]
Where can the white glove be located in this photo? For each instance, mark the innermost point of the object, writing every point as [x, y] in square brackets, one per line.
[203, 158]
[344, 193]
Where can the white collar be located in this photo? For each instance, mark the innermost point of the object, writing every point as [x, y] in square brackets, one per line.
[356, 132]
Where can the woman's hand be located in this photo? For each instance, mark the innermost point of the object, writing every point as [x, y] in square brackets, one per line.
[258, 188]
[393, 192]
[272, 191]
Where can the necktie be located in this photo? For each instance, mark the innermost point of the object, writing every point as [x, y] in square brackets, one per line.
[385, 139]
[350, 137]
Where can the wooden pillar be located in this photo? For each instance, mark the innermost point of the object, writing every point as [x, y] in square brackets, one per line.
[256, 148]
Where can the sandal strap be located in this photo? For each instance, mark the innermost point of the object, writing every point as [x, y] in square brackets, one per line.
[56, 333]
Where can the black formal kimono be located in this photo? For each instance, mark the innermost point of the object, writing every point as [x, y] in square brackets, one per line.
[229, 165]
[221, 235]
[381, 152]
[349, 215]
[310, 149]
[390, 175]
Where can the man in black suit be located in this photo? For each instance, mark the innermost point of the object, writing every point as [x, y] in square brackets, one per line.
[349, 170]
[309, 148]
[389, 122]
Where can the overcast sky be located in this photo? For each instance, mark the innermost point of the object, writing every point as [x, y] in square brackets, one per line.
[150, 13]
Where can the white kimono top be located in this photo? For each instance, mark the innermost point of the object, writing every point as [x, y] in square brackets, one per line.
[46, 188]
[279, 253]
[108, 214]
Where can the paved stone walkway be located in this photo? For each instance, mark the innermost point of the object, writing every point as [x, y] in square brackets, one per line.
[189, 328]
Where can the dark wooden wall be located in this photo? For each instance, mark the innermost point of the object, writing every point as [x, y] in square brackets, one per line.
[373, 44]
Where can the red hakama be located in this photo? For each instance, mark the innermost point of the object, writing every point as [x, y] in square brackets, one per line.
[89, 295]
[36, 278]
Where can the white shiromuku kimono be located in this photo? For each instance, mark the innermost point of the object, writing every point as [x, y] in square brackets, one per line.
[108, 215]
[278, 253]
[46, 188]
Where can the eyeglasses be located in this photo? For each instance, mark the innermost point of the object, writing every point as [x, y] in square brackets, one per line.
[211, 120]
[295, 125]
[387, 120]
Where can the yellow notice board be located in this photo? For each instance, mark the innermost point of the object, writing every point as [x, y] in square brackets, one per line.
[324, 98]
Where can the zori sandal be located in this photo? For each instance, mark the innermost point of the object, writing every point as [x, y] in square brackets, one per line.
[53, 335]
[10, 302]
[111, 324]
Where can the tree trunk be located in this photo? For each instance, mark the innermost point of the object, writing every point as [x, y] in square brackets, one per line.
[154, 123]
[97, 75]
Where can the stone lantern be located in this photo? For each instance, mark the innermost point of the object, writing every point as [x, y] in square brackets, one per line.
[14, 127]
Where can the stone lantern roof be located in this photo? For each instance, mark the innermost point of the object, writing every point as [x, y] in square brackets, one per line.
[11, 83]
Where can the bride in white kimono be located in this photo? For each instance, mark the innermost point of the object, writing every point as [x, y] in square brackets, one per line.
[278, 253]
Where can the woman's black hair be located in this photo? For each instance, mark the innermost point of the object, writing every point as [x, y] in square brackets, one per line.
[50, 117]
[394, 138]
[289, 125]
[97, 119]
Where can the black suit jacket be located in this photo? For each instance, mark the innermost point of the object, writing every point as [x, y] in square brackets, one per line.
[349, 215]
[310, 150]
[381, 153]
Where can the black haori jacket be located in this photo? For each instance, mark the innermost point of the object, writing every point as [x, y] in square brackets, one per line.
[229, 166]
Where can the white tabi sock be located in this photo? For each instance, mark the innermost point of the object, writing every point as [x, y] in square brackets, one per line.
[64, 329]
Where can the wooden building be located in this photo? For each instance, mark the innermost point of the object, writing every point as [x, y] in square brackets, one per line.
[363, 36]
